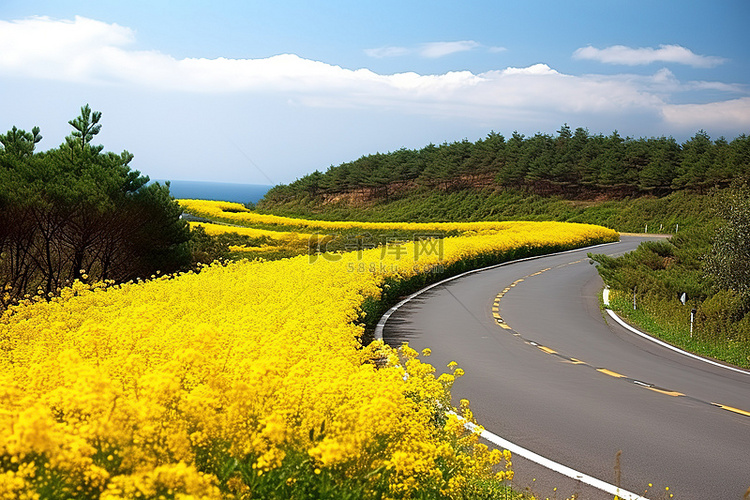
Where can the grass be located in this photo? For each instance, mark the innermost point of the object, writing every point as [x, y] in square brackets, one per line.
[678, 333]
[677, 211]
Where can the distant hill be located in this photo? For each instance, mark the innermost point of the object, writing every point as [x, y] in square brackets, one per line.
[572, 176]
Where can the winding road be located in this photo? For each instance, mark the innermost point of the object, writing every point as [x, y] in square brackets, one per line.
[549, 372]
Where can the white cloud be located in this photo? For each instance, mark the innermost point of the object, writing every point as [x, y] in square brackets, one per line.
[382, 52]
[620, 54]
[434, 50]
[536, 69]
[96, 53]
[71, 48]
[734, 113]
[431, 50]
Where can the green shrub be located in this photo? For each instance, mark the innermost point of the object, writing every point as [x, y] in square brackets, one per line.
[721, 317]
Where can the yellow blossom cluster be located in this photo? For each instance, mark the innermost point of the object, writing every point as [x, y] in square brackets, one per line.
[244, 380]
[237, 213]
[292, 242]
[217, 229]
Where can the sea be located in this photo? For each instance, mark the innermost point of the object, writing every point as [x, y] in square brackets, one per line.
[218, 191]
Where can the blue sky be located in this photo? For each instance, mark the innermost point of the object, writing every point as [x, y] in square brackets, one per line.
[266, 92]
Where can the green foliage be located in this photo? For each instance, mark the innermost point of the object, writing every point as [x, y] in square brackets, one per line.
[675, 212]
[670, 322]
[573, 165]
[721, 315]
[661, 268]
[76, 212]
[298, 478]
[729, 262]
[85, 126]
[205, 249]
[19, 143]
[708, 264]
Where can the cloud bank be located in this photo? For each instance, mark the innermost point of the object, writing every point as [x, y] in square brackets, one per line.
[713, 114]
[620, 54]
[91, 52]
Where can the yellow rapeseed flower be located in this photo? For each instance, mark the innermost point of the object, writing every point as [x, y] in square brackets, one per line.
[154, 386]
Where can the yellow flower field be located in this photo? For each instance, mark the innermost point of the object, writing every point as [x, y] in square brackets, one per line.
[236, 213]
[242, 381]
[216, 229]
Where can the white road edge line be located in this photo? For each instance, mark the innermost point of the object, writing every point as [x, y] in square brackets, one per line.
[559, 468]
[494, 438]
[614, 316]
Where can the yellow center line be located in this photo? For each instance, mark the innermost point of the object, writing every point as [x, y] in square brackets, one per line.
[575, 361]
[605, 371]
[610, 373]
[732, 409]
[664, 391]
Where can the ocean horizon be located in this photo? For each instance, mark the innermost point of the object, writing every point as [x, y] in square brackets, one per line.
[216, 191]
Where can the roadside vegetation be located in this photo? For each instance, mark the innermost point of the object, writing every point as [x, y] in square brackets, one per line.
[706, 266]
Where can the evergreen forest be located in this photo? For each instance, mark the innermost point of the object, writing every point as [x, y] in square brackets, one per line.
[76, 212]
[574, 164]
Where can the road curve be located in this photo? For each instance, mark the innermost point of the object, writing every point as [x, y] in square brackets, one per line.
[557, 377]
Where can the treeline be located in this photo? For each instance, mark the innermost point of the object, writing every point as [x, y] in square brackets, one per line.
[76, 212]
[572, 164]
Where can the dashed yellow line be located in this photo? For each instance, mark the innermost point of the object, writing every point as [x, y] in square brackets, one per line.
[665, 391]
[501, 323]
[732, 409]
[610, 373]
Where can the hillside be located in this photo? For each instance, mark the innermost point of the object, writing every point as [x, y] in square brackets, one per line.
[679, 210]
[622, 183]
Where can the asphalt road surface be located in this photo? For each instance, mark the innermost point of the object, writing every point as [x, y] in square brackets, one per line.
[558, 377]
